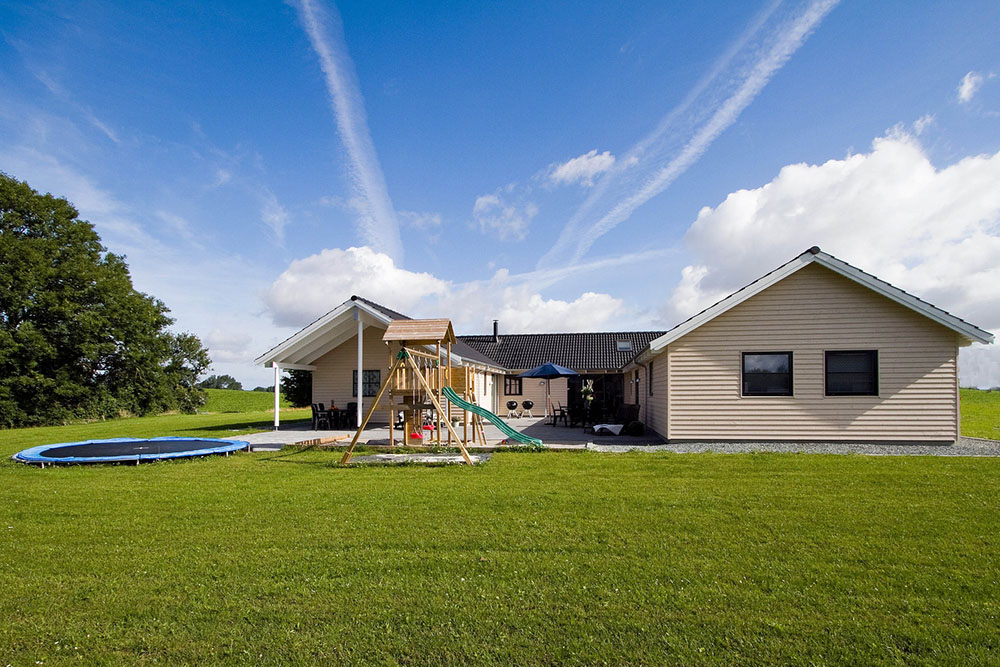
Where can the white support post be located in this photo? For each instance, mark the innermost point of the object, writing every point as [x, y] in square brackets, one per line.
[361, 361]
[277, 394]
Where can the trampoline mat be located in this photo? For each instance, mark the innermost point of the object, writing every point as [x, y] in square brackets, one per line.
[127, 447]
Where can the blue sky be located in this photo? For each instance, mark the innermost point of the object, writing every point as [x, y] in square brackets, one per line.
[559, 166]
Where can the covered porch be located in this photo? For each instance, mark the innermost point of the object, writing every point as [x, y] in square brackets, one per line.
[342, 350]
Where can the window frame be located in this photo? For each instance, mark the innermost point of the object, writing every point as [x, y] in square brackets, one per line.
[791, 374]
[513, 380]
[367, 382]
[826, 374]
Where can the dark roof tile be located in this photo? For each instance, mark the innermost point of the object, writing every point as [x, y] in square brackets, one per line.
[579, 351]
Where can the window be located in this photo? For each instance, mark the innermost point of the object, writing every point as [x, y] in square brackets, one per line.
[511, 385]
[852, 373]
[767, 373]
[624, 345]
[370, 380]
[650, 383]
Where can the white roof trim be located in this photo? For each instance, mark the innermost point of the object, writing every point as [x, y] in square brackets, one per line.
[969, 331]
[311, 332]
[317, 327]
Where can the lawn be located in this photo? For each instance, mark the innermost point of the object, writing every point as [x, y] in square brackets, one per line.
[578, 557]
[981, 413]
[233, 400]
[532, 558]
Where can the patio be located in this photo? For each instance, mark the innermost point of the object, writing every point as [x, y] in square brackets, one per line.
[554, 437]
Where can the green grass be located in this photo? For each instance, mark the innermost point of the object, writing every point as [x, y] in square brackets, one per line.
[981, 413]
[548, 558]
[232, 400]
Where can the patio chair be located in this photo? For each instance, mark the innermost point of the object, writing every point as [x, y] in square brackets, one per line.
[319, 417]
[527, 405]
[512, 410]
[557, 414]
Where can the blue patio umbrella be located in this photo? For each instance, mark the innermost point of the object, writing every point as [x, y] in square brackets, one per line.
[547, 372]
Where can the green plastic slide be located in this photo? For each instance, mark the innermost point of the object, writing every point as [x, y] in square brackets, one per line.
[512, 434]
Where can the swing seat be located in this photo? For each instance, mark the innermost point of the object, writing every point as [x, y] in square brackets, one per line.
[416, 436]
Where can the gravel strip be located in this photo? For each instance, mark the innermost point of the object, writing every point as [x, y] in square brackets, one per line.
[964, 447]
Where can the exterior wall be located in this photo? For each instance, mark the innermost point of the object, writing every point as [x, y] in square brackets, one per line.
[809, 312]
[533, 389]
[333, 377]
[655, 405]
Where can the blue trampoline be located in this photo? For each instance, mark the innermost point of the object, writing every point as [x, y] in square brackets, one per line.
[128, 450]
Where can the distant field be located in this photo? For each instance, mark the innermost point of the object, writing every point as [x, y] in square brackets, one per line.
[981, 414]
[231, 400]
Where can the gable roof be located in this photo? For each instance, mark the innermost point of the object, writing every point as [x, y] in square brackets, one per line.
[969, 332]
[296, 350]
[420, 331]
[579, 351]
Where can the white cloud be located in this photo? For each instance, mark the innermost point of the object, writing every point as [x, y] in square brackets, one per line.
[581, 169]
[970, 85]
[423, 221]
[933, 232]
[273, 214]
[376, 216]
[316, 284]
[684, 134]
[922, 123]
[229, 347]
[504, 213]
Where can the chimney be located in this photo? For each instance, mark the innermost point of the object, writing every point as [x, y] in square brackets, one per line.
[496, 331]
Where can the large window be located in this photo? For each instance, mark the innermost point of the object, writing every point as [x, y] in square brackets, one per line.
[852, 373]
[767, 373]
[512, 385]
[370, 380]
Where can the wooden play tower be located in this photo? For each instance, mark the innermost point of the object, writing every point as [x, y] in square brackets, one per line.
[419, 370]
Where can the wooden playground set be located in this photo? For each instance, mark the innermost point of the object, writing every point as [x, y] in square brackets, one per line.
[423, 385]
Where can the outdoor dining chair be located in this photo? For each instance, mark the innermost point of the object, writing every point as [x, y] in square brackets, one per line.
[319, 417]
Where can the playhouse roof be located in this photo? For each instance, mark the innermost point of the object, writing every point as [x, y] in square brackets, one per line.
[420, 332]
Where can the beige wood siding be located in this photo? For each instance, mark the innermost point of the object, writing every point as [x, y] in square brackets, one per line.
[656, 405]
[533, 389]
[812, 311]
[333, 377]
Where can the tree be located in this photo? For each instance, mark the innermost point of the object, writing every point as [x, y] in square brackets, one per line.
[76, 339]
[296, 387]
[221, 382]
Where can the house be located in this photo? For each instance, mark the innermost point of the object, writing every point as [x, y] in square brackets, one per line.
[815, 350]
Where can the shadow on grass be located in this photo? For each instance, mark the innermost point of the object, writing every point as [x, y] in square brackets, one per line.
[283, 457]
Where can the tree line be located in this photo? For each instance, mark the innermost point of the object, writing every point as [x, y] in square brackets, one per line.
[77, 340]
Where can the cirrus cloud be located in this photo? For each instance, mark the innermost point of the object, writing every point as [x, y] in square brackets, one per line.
[582, 169]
